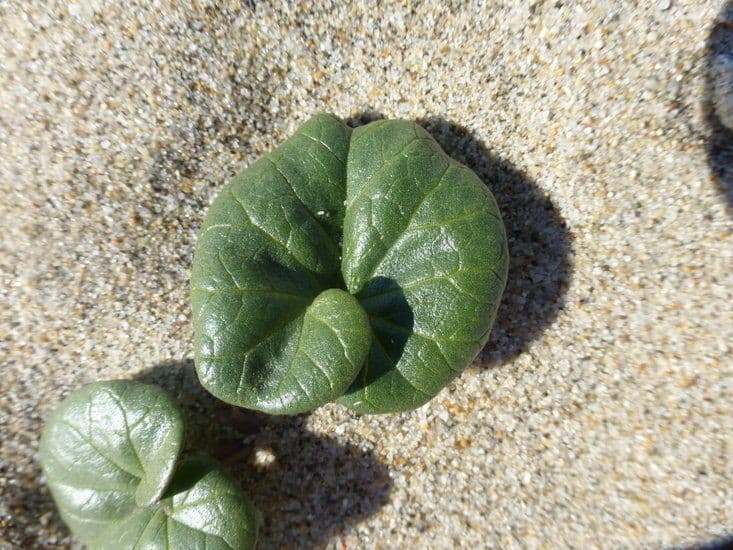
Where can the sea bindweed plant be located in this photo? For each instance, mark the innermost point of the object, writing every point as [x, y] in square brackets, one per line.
[110, 456]
[360, 265]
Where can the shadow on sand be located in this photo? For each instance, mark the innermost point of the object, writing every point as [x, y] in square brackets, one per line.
[719, 69]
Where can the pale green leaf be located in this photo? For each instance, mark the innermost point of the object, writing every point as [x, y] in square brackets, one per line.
[109, 455]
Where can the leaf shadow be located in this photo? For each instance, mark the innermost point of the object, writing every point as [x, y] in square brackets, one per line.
[307, 487]
[718, 543]
[719, 139]
[540, 245]
[392, 321]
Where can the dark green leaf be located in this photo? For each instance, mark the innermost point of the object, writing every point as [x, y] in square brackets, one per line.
[426, 224]
[380, 212]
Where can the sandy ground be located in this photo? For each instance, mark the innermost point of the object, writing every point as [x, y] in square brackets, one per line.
[601, 412]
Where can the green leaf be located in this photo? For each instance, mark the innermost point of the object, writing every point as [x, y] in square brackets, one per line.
[111, 438]
[202, 509]
[380, 213]
[428, 226]
[109, 453]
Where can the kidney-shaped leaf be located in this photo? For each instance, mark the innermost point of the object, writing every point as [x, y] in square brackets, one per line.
[203, 509]
[412, 240]
[109, 454]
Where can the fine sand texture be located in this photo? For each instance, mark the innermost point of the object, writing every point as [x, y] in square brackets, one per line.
[600, 413]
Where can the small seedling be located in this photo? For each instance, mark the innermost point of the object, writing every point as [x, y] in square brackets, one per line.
[360, 265]
[110, 456]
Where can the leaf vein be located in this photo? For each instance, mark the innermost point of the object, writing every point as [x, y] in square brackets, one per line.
[378, 342]
[313, 217]
[268, 235]
[320, 369]
[414, 211]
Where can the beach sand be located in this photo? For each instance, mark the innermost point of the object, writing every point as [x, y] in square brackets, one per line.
[600, 414]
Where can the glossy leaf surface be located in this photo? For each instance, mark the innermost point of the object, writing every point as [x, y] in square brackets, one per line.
[109, 455]
[412, 240]
[203, 509]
